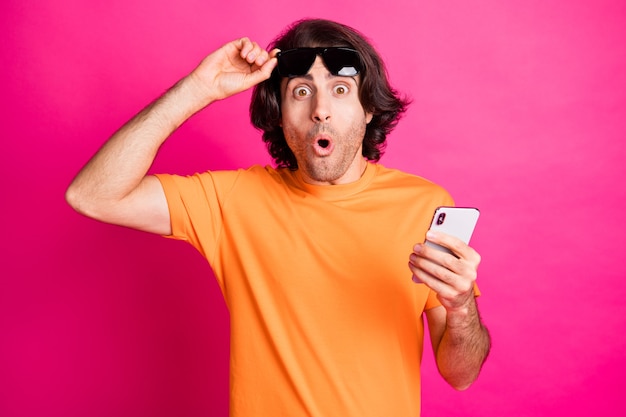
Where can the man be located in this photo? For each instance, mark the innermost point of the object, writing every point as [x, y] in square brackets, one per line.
[311, 256]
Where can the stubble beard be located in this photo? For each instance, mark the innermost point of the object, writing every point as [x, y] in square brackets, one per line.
[330, 168]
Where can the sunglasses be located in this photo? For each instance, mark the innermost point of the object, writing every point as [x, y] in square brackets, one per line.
[340, 61]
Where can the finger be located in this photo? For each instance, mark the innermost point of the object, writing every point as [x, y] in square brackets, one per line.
[260, 56]
[448, 286]
[420, 276]
[254, 54]
[244, 45]
[268, 67]
[443, 267]
[456, 245]
[434, 268]
[439, 257]
[267, 57]
[251, 52]
[274, 52]
[261, 73]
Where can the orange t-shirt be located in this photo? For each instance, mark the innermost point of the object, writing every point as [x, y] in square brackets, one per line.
[325, 319]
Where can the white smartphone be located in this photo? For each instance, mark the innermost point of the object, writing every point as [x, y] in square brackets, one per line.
[455, 221]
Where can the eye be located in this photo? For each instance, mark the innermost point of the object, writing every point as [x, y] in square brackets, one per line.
[341, 90]
[301, 92]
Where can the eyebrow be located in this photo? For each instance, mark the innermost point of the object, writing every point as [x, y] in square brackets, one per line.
[309, 77]
[306, 76]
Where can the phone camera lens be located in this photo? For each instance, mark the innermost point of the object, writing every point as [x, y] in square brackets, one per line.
[441, 218]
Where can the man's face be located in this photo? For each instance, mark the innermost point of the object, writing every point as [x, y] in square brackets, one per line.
[324, 124]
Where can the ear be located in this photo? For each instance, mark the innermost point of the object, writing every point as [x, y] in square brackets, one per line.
[368, 117]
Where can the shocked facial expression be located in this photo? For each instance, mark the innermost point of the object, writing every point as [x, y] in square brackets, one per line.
[324, 124]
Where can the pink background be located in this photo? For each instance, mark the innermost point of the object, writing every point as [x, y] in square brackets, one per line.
[519, 108]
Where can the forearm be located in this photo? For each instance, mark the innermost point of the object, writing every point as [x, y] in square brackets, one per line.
[120, 165]
[463, 348]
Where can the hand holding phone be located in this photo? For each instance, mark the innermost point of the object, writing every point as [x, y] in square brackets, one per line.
[455, 221]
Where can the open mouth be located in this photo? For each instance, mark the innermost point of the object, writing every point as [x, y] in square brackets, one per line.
[323, 146]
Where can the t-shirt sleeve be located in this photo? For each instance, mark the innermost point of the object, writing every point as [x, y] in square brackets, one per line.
[432, 301]
[195, 205]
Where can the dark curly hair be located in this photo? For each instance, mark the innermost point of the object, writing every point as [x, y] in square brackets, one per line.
[375, 93]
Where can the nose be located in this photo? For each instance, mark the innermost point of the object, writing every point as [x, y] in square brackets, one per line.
[320, 112]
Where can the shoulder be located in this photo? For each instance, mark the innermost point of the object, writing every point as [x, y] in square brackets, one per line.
[256, 182]
[253, 173]
[254, 179]
[396, 181]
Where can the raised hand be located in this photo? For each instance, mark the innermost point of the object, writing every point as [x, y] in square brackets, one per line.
[233, 68]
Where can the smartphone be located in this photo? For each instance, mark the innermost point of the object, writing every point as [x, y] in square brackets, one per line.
[456, 221]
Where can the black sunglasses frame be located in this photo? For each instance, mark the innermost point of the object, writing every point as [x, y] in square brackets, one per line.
[340, 61]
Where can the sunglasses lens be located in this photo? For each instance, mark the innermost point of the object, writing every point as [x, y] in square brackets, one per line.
[339, 61]
[295, 62]
[342, 61]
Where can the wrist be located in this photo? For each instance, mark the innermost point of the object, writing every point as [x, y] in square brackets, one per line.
[197, 90]
[463, 317]
[179, 103]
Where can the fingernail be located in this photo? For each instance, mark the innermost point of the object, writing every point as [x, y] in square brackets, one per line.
[431, 235]
[416, 280]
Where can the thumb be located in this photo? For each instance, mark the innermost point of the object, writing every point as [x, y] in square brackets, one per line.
[263, 72]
